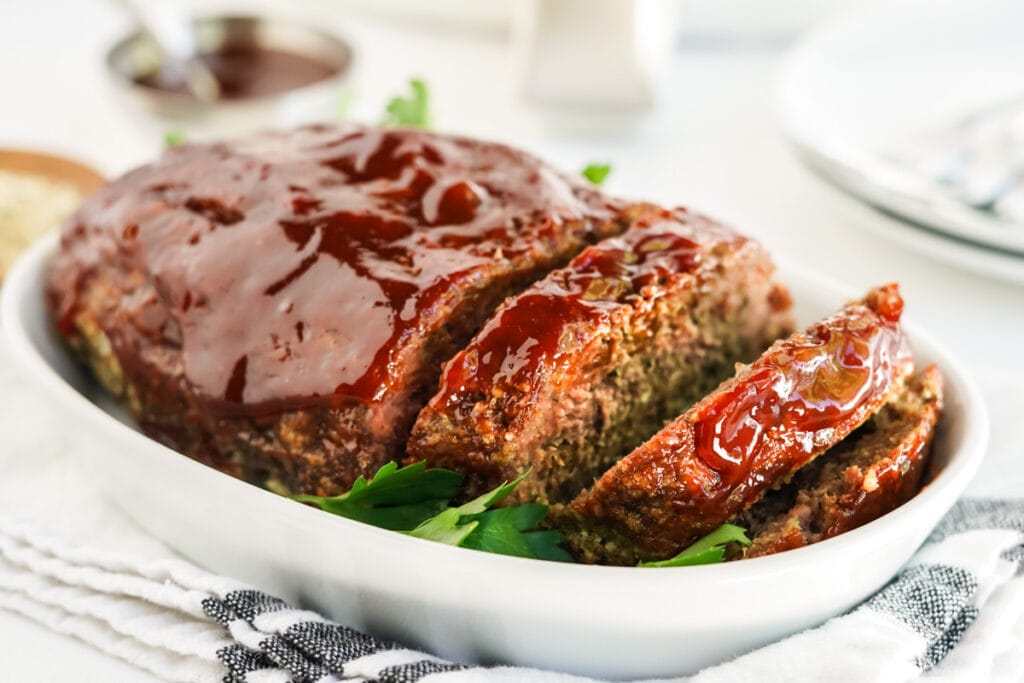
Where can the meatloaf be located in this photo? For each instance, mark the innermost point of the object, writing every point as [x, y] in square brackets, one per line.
[803, 396]
[281, 306]
[876, 469]
[580, 368]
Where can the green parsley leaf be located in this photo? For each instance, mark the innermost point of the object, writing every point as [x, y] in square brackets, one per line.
[547, 545]
[416, 500]
[500, 530]
[410, 112]
[173, 138]
[448, 526]
[708, 550]
[507, 531]
[445, 527]
[491, 498]
[396, 499]
[596, 173]
[410, 484]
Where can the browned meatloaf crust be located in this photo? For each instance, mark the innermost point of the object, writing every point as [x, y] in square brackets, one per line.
[803, 396]
[580, 368]
[280, 306]
[876, 469]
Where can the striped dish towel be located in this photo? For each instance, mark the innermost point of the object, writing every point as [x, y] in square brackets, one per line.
[955, 613]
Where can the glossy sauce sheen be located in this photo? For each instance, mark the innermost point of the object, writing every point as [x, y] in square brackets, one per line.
[803, 385]
[250, 71]
[898, 475]
[802, 396]
[297, 266]
[542, 329]
[876, 473]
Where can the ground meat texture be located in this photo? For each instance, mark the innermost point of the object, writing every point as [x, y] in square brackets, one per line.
[280, 306]
[584, 365]
[873, 471]
[803, 396]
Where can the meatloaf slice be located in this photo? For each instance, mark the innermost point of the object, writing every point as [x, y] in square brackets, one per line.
[803, 396]
[584, 365]
[281, 305]
[874, 470]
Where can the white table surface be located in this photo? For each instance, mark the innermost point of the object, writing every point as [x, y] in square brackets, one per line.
[711, 143]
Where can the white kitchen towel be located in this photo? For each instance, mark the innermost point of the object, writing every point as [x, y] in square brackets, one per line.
[955, 613]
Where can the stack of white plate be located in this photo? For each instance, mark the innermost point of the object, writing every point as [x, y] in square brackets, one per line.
[858, 93]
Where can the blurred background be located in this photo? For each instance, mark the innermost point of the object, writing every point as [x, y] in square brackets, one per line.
[522, 69]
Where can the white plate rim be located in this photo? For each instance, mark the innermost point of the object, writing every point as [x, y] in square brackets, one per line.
[849, 167]
[978, 260]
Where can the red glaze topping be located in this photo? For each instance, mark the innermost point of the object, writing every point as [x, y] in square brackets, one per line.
[803, 385]
[803, 395]
[298, 265]
[536, 333]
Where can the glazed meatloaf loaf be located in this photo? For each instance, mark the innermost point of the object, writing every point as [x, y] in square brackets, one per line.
[299, 308]
[580, 368]
[280, 306]
[876, 469]
[752, 434]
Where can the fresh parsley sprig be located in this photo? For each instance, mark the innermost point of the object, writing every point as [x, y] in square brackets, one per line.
[173, 138]
[596, 173]
[416, 500]
[708, 550]
[507, 531]
[454, 525]
[396, 499]
[410, 112]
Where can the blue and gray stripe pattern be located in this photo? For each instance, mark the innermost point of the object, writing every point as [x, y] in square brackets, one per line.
[935, 601]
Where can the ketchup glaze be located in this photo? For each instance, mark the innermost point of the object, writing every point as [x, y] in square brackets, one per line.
[542, 330]
[296, 268]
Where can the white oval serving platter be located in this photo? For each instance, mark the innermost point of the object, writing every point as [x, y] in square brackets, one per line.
[463, 604]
